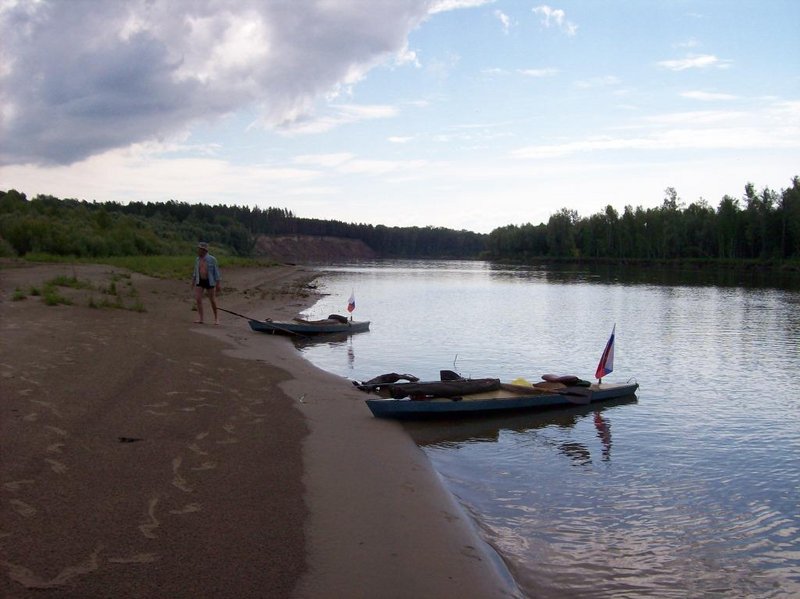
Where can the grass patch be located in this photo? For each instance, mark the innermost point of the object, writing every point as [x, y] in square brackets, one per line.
[19, 294]
[64, 281]
[114, 303]
[111, 289]
[52, 297]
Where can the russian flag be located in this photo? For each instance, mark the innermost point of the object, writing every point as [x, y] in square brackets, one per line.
[351, 303]
[606, 365]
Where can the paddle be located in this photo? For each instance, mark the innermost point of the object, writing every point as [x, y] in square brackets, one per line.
[235, 313]
[284, 329]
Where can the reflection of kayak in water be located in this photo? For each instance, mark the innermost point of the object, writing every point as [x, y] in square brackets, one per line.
[487, 427]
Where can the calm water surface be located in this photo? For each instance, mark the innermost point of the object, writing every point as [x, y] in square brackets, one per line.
[691, 490]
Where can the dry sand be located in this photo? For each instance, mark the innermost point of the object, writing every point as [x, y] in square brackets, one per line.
[144, 456]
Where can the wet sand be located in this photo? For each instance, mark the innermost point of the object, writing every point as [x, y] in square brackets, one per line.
[144, 456]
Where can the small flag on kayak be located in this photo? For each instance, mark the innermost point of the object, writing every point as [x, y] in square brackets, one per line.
[606, 365]
[351, 303]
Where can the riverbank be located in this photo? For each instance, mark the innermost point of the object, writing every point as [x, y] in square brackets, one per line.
[146, 456]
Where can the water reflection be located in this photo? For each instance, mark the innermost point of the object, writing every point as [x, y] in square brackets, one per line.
[752, 278]
[335, 342]
[451, 433]
[603, 427]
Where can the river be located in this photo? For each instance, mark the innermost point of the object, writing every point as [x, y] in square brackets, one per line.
[691, 490]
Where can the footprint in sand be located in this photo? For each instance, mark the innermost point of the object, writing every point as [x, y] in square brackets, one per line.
[49, 405]
[205, 466]
[178, 480]
[29, 580]
[189, 508]
[56, 466]
[195, 448]
[150, 525]
[23, 509]
[16, 485]
[56, 430]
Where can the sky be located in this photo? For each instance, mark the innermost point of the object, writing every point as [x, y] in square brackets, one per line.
[465, 114]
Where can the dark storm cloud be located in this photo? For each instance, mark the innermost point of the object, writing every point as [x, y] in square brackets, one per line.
[80, 77]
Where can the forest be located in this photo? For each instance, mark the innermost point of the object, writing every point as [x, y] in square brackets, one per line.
[762, 226]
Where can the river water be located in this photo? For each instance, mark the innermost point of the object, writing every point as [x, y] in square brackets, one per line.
[690, 490]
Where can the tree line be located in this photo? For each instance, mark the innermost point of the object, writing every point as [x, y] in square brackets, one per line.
[762, 225]
[46, 224]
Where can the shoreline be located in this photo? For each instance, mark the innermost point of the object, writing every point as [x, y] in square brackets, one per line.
[302, 491]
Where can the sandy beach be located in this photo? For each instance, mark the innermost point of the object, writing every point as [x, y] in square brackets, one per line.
[142, 455]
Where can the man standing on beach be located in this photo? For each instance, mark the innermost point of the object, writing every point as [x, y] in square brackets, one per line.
[206, 276]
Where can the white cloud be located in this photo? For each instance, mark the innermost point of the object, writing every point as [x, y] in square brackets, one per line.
[406, 56]
[546, 72]
[448, 5]
[702, 61]
[707, 96]
[505, 20]
[118, 175]
[774, 127]
[690, 43]
[325, 160]
[555, 16]
[379, 167]
[695, 118]
[337, 116]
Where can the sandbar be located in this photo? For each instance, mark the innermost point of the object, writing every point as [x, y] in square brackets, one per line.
[142, 455]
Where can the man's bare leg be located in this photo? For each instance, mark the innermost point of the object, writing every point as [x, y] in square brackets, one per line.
[198, 298]
[212, 297]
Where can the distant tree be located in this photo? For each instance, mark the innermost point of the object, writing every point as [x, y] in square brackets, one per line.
[561, 233]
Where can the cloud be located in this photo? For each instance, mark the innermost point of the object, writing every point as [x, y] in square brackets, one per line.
[447, 5]
[702, 61]
[555, 16]
[82, 77]
[707, 96]
[335, 116]
[324, 160]
[505, 20]
[546, 72]
[771, 128]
